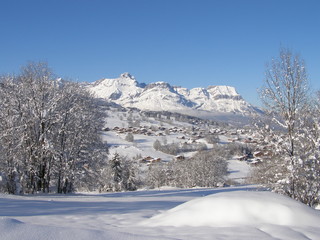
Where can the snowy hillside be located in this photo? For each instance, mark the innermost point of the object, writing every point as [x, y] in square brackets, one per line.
[161, 96]
[238, 213]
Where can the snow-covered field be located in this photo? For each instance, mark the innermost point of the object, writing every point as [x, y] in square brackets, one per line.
[224, 213]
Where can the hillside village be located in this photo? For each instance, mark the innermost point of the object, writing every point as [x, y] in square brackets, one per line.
[186, 134]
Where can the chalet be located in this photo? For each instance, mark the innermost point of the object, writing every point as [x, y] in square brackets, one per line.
[150, 160]
[143, 130]
[183, 137]
[255, 161]
[242, 158]
[191, 140]
[146, 159]
[156, 160]
[137, 131]
[258, 154]
[179, 158]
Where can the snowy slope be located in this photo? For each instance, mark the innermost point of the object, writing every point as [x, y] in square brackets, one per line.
[161, 96]
[239, 213]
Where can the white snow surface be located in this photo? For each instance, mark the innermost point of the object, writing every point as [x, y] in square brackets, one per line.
[202, 213]
[236, 209]
[238, 171]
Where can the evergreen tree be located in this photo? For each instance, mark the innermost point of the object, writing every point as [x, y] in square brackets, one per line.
[129, 137]
[116, 167]
[157, 145]
[130, 175]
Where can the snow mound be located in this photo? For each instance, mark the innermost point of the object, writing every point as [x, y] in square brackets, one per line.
[236, 208]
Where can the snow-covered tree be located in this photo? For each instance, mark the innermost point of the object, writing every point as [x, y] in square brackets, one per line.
[159, 175]
[204, 169]
[157, 145]
[120, 174]
[49, 132]
[292, 134]
[31, 96]
[130, 174]
[129, 137]
[80, 120]
[212, 138]
[308, 170]
[116, 166]
[286, 93]
[11, 166]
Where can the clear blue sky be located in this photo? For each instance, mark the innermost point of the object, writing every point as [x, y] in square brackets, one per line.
[190, 43]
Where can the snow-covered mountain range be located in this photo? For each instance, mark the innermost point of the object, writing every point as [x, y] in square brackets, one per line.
[161, 96]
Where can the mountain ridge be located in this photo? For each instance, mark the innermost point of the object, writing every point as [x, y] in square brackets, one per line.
[161, 96]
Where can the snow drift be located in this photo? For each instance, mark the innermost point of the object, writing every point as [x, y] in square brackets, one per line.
[238, 208]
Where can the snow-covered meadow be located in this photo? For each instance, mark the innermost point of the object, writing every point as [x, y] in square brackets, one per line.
[242, 212]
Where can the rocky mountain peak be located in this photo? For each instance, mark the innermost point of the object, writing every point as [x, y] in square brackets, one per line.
[161, 96]
[127, 75]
